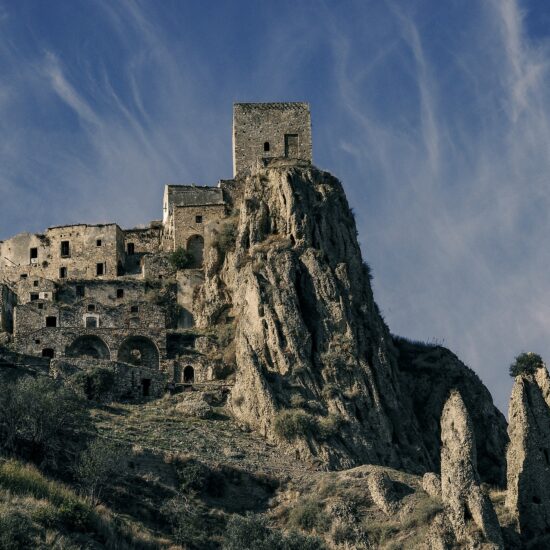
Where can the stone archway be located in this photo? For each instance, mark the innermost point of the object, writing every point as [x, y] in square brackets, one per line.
[88, 346]
[195, 247]
[140, 351]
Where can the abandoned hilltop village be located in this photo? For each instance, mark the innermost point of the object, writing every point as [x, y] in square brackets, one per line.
[241, 332]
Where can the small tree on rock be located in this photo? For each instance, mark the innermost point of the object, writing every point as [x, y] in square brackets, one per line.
[526, 363]
[181, 259]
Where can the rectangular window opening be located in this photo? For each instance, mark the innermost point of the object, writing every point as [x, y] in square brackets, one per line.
[91, 322]
[34, 296]
[34, 253]
[99, 269]
[65, 249]
[134, 309]
[62, 272]
[35, 283]
[51, 321]
[198, 219]
[98, 242]
[120, 293]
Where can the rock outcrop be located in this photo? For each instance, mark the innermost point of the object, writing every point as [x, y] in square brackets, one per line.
[528, 457]
[429, 373]
[460, 487]
[382, 492]
[308, 336]
[431, 483]
[316, 368]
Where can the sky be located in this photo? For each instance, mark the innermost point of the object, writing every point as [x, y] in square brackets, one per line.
[434, 115]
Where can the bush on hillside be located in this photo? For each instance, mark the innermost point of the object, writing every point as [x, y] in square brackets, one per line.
[294, 423]
[291, 424]
[180, 259]
[253, 533]
[100, 464]
[309, 516]
[526, 363]
[40, 419]
[187, 518]
[15, 530]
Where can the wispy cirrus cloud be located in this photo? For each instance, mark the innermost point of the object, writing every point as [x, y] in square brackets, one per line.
[435, 115]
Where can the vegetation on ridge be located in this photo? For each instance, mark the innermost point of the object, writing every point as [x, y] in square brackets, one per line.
[526, 363]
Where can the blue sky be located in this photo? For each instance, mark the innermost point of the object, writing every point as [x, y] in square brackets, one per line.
[435, 116]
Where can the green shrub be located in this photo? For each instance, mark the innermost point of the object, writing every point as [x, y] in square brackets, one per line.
[187, 519]
[526, 363]
[253, 533]
[309, 516]
[329, 426]
[15, 531]
[40, 419]
[180, 258]
[95, 384]
[100, 464]
[294, 423]
[226, 238]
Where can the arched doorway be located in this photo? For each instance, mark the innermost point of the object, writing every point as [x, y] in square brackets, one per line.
[139, 351]
[188, 375]
[195, 247]
[88, 346]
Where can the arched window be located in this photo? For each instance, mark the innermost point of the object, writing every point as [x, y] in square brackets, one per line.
[90, 346]
[139, 351]
[188, 375]
[266, 146]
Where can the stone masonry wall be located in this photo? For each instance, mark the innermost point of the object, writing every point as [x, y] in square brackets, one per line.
[33, 316]
[89, 245]
[255, 124]
[128, 378]
[186, 224]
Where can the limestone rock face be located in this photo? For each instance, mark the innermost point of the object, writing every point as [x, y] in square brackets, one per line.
[382, 493]
[308, 335]
[431, 483]
[460, 488]
[528, 494]
[430, 372]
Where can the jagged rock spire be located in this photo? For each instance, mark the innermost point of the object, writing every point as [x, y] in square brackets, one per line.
[528, 456]
[460, 487]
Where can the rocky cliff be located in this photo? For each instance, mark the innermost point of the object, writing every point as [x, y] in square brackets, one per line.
[528, 456]
[316, 366]
[429, 373]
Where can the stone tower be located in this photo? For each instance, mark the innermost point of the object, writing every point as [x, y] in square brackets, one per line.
[263, 131]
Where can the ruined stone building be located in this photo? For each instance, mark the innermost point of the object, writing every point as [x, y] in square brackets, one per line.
[115, 295]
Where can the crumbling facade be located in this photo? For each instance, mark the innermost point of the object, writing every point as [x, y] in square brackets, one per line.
[85, 294]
